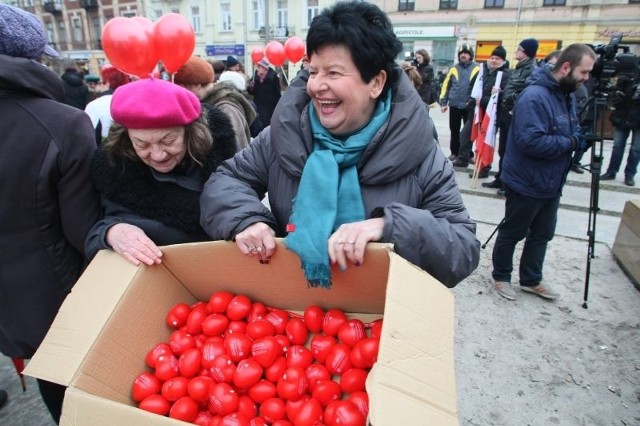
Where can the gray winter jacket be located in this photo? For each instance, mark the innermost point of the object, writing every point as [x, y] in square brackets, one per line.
[403, 174]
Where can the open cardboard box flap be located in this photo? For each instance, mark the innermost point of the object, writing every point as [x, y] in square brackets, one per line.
[116, 313]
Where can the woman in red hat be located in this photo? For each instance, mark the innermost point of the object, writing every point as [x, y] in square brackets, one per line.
[152, 169]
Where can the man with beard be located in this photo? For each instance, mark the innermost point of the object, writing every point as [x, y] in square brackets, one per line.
[544, 133]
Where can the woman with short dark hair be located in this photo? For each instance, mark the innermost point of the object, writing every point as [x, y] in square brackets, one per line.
[349, 158]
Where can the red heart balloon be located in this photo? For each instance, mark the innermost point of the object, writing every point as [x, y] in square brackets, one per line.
[174, 40]
[297, 331]
[294, 48]
[128, 46]
[351, 332]
[248, 373]
[265, 350]
[321, 346]
[257, 53]
[275, 53]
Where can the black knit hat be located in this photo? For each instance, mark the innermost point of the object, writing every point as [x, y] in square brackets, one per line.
[500, 52]
[231, 61]
[529, 47]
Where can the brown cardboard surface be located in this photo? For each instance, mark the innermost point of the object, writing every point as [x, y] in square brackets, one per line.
[631, 215]
[80, 319]
[413, 380]
[279, 283]
[416, 365]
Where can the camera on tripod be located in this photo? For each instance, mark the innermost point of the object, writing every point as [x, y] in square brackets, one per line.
[614, 60]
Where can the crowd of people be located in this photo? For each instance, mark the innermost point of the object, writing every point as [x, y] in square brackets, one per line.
[347, 154]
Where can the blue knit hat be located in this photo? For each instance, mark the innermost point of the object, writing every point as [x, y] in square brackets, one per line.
[530, 47]
[22, 34]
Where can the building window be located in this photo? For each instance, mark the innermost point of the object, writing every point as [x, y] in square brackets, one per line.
[553, 2]
[257, 14]
[493, 4]
[97, 31]
[51, 38]
[225, 15]
[62, 33]
[76, 24]
[283, 13]
[406, 5]
[448, 5]
[195, 18]
[312, 10]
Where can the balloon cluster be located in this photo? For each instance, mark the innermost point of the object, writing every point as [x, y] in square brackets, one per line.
[135, 45]
[234, 361]
[277, 53]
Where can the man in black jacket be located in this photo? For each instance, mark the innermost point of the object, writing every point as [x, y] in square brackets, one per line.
[47, 202]
[526, 57]
[626, 119]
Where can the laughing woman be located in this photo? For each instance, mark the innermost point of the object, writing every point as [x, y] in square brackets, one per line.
[349, 158]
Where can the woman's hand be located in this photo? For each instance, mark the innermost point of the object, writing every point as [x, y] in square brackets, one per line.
[350, 240]
[257, 240]
[133, 244]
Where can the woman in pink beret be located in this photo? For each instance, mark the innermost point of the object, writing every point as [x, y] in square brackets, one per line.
[161, 148]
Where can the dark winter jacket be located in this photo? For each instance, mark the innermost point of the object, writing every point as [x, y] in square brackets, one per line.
[489, 80]
[266, 95]
[402, 172]
[75, 90]
[427, 88]
[540, 146]
[164, 205]
[626, 100]
[47, 203]
[517, 82]
[455, 88]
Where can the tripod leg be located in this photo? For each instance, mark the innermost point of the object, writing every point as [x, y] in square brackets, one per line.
[493, 233]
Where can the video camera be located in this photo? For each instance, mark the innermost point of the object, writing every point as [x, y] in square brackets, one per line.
[614, 60]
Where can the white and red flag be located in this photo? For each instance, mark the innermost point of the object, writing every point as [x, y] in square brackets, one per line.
[486, 133]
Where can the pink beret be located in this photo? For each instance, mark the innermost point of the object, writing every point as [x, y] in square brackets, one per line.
[151, 103]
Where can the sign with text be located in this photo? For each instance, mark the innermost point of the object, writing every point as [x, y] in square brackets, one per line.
[425, 32]
[225, 49]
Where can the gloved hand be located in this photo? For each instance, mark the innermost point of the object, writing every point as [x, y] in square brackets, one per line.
[582, 140]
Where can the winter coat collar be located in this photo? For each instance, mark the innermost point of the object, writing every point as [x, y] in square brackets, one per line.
[29, 76]
[172, 198]
[399, 147]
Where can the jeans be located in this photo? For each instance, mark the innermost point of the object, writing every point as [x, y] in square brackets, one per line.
[525, 217]
[620, 137]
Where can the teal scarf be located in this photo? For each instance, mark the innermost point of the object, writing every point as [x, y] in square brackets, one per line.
[329, 193]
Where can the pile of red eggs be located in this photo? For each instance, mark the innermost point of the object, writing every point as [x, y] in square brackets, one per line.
[233, 361]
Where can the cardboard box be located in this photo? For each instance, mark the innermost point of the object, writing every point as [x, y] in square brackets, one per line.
[115, 315]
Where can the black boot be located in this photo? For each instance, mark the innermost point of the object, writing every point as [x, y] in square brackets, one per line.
[495, 184]
[482, 174]
[576, 168]
[608, 176]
